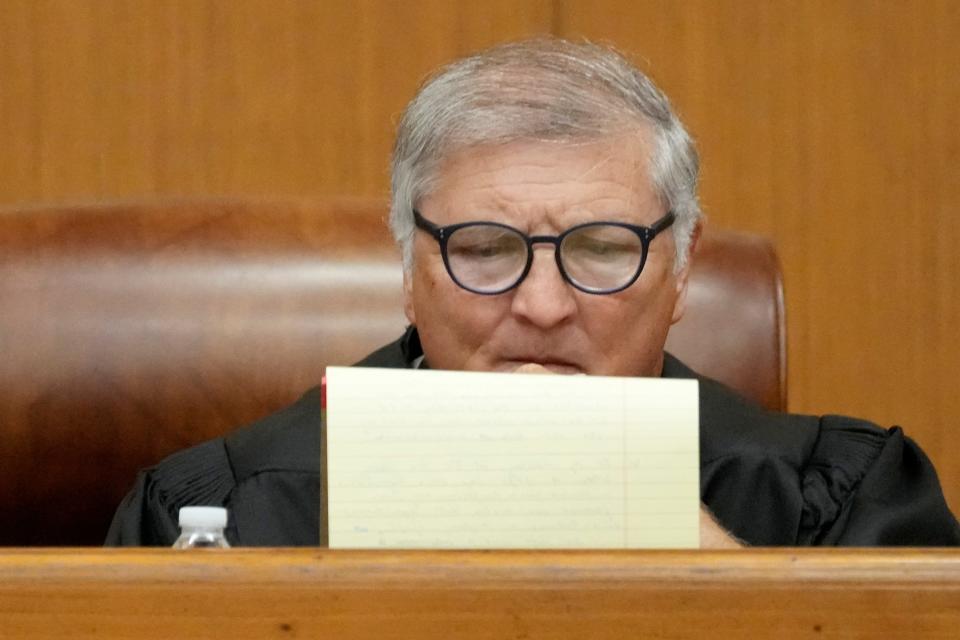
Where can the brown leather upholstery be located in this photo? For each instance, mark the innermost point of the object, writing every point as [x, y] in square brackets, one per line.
[129, 331]
[734, 329]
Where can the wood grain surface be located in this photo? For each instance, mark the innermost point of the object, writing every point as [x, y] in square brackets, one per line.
[283, 593]
[109, 98]
[828, 125]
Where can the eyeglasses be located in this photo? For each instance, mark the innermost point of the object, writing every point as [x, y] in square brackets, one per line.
[595, 257]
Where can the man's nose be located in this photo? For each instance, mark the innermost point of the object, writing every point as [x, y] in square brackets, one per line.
[544, 298]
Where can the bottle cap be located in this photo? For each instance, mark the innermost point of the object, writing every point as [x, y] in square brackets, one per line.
[212, 517]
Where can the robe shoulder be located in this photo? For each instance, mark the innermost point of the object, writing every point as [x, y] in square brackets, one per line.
[774, 478]
[265, 474]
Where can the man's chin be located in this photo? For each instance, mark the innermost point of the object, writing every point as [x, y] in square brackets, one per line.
[561, 368]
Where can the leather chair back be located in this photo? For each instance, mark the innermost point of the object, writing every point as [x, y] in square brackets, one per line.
[129, 331]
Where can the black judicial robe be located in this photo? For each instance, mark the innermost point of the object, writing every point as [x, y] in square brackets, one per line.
[769, 478]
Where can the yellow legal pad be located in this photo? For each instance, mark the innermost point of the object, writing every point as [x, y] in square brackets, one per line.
[442, 459]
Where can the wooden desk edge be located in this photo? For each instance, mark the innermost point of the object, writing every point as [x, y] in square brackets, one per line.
[788, 594]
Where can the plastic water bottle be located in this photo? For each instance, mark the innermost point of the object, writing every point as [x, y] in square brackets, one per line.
[202, 527]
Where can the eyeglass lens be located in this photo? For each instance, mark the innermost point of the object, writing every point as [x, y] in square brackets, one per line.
[486, 257]
[491, 258]
[601, 256]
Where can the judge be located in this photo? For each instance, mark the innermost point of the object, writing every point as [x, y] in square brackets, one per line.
[544, 198]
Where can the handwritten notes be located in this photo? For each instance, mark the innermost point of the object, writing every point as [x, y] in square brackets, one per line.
[441, 459]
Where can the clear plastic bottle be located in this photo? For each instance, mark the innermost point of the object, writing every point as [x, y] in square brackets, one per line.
[202, 527]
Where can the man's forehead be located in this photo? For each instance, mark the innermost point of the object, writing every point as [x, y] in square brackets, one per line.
[635, 140]
[611, 176]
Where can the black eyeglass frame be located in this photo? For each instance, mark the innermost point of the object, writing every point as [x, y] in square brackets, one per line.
[646, 235]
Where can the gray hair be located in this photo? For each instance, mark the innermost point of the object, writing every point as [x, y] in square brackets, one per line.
[542, 90]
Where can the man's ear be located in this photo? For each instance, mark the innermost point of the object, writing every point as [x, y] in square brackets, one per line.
[683, 276]
[408, 296]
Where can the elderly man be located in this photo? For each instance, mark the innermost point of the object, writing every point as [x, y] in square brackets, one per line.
[544, 197]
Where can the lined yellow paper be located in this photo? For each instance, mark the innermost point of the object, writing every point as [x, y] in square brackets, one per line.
[442, 459]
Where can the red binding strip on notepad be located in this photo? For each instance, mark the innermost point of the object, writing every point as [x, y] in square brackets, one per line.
[323, 392]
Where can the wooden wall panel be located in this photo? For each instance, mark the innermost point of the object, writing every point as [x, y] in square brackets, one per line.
[832, 127]
[107, 98]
